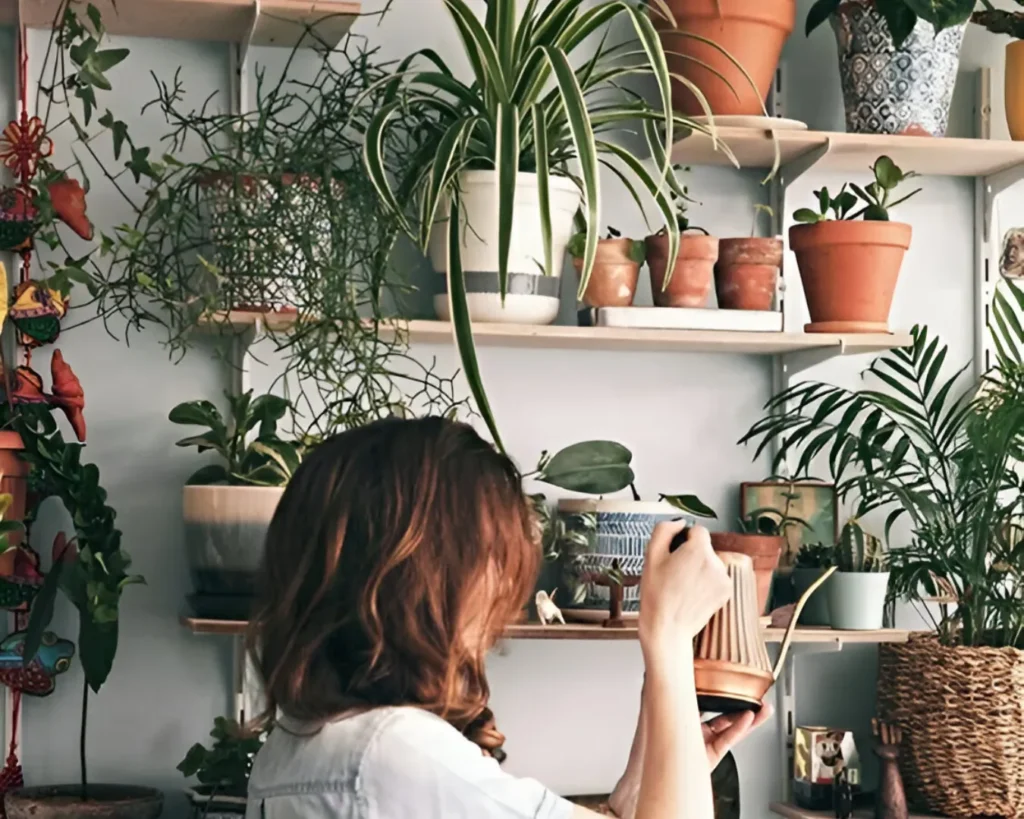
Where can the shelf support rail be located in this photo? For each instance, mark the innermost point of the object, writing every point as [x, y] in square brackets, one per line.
[994, 185]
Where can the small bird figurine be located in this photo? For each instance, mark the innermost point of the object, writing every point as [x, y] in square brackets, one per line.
[891, 802]
[547, 611]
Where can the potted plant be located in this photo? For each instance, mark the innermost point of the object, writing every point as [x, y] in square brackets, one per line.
[850, 260]
[857, 591]
[616, 268]
[812, 561]
[747, 270]
[1012, 23]
[728, 49]
[898, 61]
[945, 461]
[223, 770]
[228, 505]
[687, 280]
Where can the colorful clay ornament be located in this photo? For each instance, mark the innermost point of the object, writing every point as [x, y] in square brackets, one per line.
[39, 677]
[68, 395]
[37, 312]
[20, 578]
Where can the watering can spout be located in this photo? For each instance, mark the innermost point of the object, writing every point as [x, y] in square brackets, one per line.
[797, 609]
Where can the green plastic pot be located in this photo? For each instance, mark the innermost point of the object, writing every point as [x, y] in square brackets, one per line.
[816, 611]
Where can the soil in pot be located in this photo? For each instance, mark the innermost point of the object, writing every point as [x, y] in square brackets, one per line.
[692, 277]
[749, 32]
[816, 610]
[747, 273]
[856, 600]
[764, 550]
[15, 477]
[65, 802]
[614, 276]
[849, 271]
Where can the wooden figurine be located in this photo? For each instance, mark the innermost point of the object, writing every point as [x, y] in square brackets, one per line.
[891, 802]
[547, 611]
[842, 795]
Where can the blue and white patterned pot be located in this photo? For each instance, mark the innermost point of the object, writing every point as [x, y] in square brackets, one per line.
[600, 532]
[890, 91]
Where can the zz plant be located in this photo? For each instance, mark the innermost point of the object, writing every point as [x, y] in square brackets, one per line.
[267, 460]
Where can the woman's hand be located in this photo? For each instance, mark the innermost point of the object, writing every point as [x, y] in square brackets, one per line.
[680, 590]
[724, 732]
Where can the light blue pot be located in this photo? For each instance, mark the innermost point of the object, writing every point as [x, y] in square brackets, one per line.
[856, 600]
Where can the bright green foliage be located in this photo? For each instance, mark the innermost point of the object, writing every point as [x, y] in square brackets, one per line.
[875, 198]
[593, 467]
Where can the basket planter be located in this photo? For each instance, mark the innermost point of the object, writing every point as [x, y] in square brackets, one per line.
[856, 600]
[961, 710]
[531, 297]
[614, 277]
[65, 802]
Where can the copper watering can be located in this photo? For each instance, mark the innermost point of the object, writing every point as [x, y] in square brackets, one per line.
[730, 659]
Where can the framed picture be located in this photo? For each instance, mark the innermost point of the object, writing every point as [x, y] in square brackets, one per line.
[812, 501]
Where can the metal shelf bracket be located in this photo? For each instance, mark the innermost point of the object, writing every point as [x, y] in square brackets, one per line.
[793, 170]
[995, 185]
[795, 363]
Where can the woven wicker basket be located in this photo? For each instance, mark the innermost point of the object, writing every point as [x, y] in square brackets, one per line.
[962, 714]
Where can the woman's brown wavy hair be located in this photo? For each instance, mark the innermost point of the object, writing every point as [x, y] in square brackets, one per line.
[373, 570]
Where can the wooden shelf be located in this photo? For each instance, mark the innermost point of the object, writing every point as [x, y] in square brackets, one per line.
[575, 631]
[281, 22]
[754, 148]
[793, 812]
[565, 337]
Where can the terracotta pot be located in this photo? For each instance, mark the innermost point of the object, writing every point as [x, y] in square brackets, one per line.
[15, 476]
[747, 273]
[692, 277]
[65, 802]
[849, 271]
[764, 550]
[614, 277]
[1013, 89]
[751, 32]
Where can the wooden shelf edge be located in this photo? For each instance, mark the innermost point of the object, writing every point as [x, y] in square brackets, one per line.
[580, 631]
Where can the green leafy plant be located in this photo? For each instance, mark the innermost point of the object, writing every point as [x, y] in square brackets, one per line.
[771, 522]
[875, 199]
[945, 461]
[267, 460]
[902, 15]
[528, 107]
[761, 210]
[815, 556]
[1000, 22]
[578, 242]
[225, 767]
[858, 551]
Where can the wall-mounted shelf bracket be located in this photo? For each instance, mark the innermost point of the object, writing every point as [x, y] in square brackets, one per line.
[241, 358]
[793, 170]
[795, 363]
[996, 184]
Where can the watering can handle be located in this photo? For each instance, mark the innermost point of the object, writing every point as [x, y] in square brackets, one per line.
[797, 609]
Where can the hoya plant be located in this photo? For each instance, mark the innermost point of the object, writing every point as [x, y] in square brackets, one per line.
[871, 203]
[902, 15]
[266, 460]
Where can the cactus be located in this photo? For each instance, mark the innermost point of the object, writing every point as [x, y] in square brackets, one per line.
[858, 551]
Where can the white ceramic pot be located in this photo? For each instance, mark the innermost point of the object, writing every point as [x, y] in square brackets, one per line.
[225, 529]
[531, 297]
[856, 600]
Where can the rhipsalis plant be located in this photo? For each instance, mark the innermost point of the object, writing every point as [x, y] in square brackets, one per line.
[871, 203]
[901, 16]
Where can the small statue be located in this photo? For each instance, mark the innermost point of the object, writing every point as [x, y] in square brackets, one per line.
[891, 802]
[842, 794]
[547, 611]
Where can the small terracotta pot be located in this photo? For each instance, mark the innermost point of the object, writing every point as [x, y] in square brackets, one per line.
[747, 273]
[751, 32]
[1014, 89]
[764, 550]
[65, 802]
[614, 277]
[15, 477]
[849, 271]
[691, 279]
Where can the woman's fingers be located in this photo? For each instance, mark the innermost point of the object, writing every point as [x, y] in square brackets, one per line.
[723, 732]
[661, 540]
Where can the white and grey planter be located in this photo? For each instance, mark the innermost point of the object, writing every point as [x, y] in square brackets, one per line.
[531, 297]
[894, 91]
[856, 600]
[216, 807]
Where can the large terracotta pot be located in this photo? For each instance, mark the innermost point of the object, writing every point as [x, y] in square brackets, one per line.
[15, 476]
[747, 273]
[751, 32]
[614, 277]
[849, 272]
[764, 550]
[65, 802]
[691, 279]
[1013, 88]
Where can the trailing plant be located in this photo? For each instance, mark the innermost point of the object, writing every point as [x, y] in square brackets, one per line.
[680, 201]
[815, 556]
[224, 768]
[1000, 22]
[760, 210]
[946, 462]
[875, 199]
[266, 460]
[858, 551]
[901, 16]
[528, 107]
[637, 249]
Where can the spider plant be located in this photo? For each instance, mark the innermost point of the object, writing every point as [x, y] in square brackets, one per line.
[947, 462]
[528, 109]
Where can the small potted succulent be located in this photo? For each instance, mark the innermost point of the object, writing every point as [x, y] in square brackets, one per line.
[616, 269]
[812, 561]
[849, 253]
[687, 281]
[856, 593]
[228, 505]
[222, 770]
[747, 271]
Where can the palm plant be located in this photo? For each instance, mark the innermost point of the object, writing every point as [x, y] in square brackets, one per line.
[527, 108]
[947, 464]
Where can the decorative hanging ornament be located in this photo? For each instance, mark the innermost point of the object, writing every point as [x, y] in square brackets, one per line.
[67, 395]
[37, 678]
[12, 777]
[20, 578]
[18, 219]
[23, 144]
[36, 313]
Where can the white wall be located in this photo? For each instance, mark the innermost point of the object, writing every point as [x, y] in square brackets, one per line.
[567, 708]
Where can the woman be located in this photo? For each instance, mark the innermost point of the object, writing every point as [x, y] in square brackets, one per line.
[398, 554]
